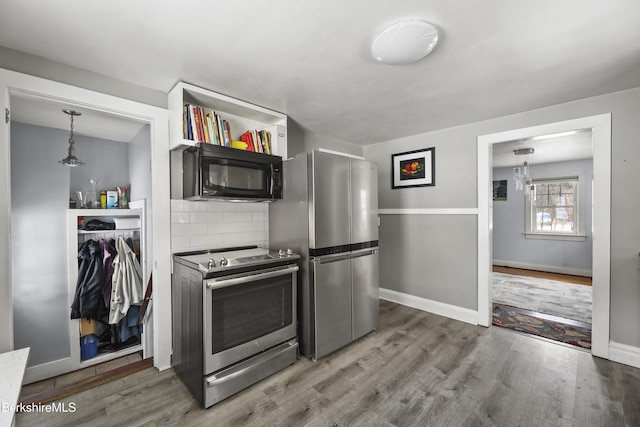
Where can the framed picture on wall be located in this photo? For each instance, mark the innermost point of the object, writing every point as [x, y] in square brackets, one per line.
[500, 190]
[414, 168]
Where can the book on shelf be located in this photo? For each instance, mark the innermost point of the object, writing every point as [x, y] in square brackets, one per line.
[227, 133]
[205, 126]
[246, 138]
[213, 130]
[219, 128]
[264, 138]
[257, 140]
[195, 136]
[200, 125]
[186, 122]
[197, 113]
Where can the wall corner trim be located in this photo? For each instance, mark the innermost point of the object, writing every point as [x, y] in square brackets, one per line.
[447, 310]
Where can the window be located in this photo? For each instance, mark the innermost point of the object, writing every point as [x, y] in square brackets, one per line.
[556, 209]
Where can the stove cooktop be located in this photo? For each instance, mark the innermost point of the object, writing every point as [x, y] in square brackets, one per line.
[219, 260]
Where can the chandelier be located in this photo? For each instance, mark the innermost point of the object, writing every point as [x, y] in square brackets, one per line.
[522, 172]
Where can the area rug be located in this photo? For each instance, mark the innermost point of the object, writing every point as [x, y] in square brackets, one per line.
[577, 334]
[561, 299]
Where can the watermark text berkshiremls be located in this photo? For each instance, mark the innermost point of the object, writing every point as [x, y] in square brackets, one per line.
[39, 407]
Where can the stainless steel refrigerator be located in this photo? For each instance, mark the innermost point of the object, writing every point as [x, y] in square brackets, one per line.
[329, 215]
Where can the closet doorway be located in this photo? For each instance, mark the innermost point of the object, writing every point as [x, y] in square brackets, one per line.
[47, 181]
[113, 149]
[601, 145]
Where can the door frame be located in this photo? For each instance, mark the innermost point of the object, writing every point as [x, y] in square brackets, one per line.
[601, 208]
[14, 83]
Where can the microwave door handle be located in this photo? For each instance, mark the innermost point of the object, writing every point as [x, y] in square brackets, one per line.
[222, 283]
[271, 178]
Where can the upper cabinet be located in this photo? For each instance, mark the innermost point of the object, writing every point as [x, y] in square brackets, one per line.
[238, 117]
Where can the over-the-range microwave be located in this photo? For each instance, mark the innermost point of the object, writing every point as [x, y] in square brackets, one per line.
[214, 172]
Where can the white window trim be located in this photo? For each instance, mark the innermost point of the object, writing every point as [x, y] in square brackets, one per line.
[549, 236]
[580, 214]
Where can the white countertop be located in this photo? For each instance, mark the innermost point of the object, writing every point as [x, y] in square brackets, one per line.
[12, 366]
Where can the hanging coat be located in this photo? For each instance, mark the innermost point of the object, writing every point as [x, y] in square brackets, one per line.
[88, 301]
[109, 253]
[126, 283]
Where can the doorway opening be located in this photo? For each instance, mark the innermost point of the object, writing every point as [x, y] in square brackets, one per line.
[541, 240]
[16, 85]
[115, 151]
[600, 127]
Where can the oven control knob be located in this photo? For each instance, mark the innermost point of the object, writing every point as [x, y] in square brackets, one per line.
[289, 252]
[281, 253]
[211, 263]
[224, 261]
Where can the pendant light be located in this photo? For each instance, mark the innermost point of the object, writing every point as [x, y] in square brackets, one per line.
[71, 160]
[521, 173]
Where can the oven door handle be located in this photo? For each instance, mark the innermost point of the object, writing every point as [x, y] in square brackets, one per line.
[224, 282]
[254, 365]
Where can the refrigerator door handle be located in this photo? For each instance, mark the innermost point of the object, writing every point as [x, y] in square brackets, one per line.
[325, 259]
[363, 252]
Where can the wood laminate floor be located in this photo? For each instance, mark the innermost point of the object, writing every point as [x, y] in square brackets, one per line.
[65, 384]
[578, 280]
[417, 369]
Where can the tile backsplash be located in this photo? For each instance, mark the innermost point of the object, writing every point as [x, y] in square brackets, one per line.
[205, 225]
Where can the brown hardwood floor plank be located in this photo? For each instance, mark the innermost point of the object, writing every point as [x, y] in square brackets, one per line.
[578, 280]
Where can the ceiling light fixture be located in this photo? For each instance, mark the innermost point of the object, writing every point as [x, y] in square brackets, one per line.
[521, 174]
[559, 134]
[71, 160]
[405, 42]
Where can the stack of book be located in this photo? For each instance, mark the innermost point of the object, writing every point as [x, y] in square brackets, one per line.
[257, 140]
[201, 126]
[208, 127]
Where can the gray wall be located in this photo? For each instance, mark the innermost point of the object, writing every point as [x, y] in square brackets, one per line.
[456, 182]
[106, 162]
[430, 256]
[509, 242]
[39, 202]
[21, 62]
[300, 140]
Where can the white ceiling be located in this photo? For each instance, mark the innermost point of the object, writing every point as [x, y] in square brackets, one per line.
[578, 146]
[311, 59]
[48, 113]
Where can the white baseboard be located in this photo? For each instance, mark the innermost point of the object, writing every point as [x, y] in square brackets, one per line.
[451, 311]
[625, 354]
[49, 370]
[547, 268]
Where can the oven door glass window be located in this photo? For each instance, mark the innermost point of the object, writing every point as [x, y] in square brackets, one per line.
[242, 313]
[235, 177]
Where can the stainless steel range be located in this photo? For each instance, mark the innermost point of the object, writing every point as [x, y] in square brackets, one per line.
[234, 318]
